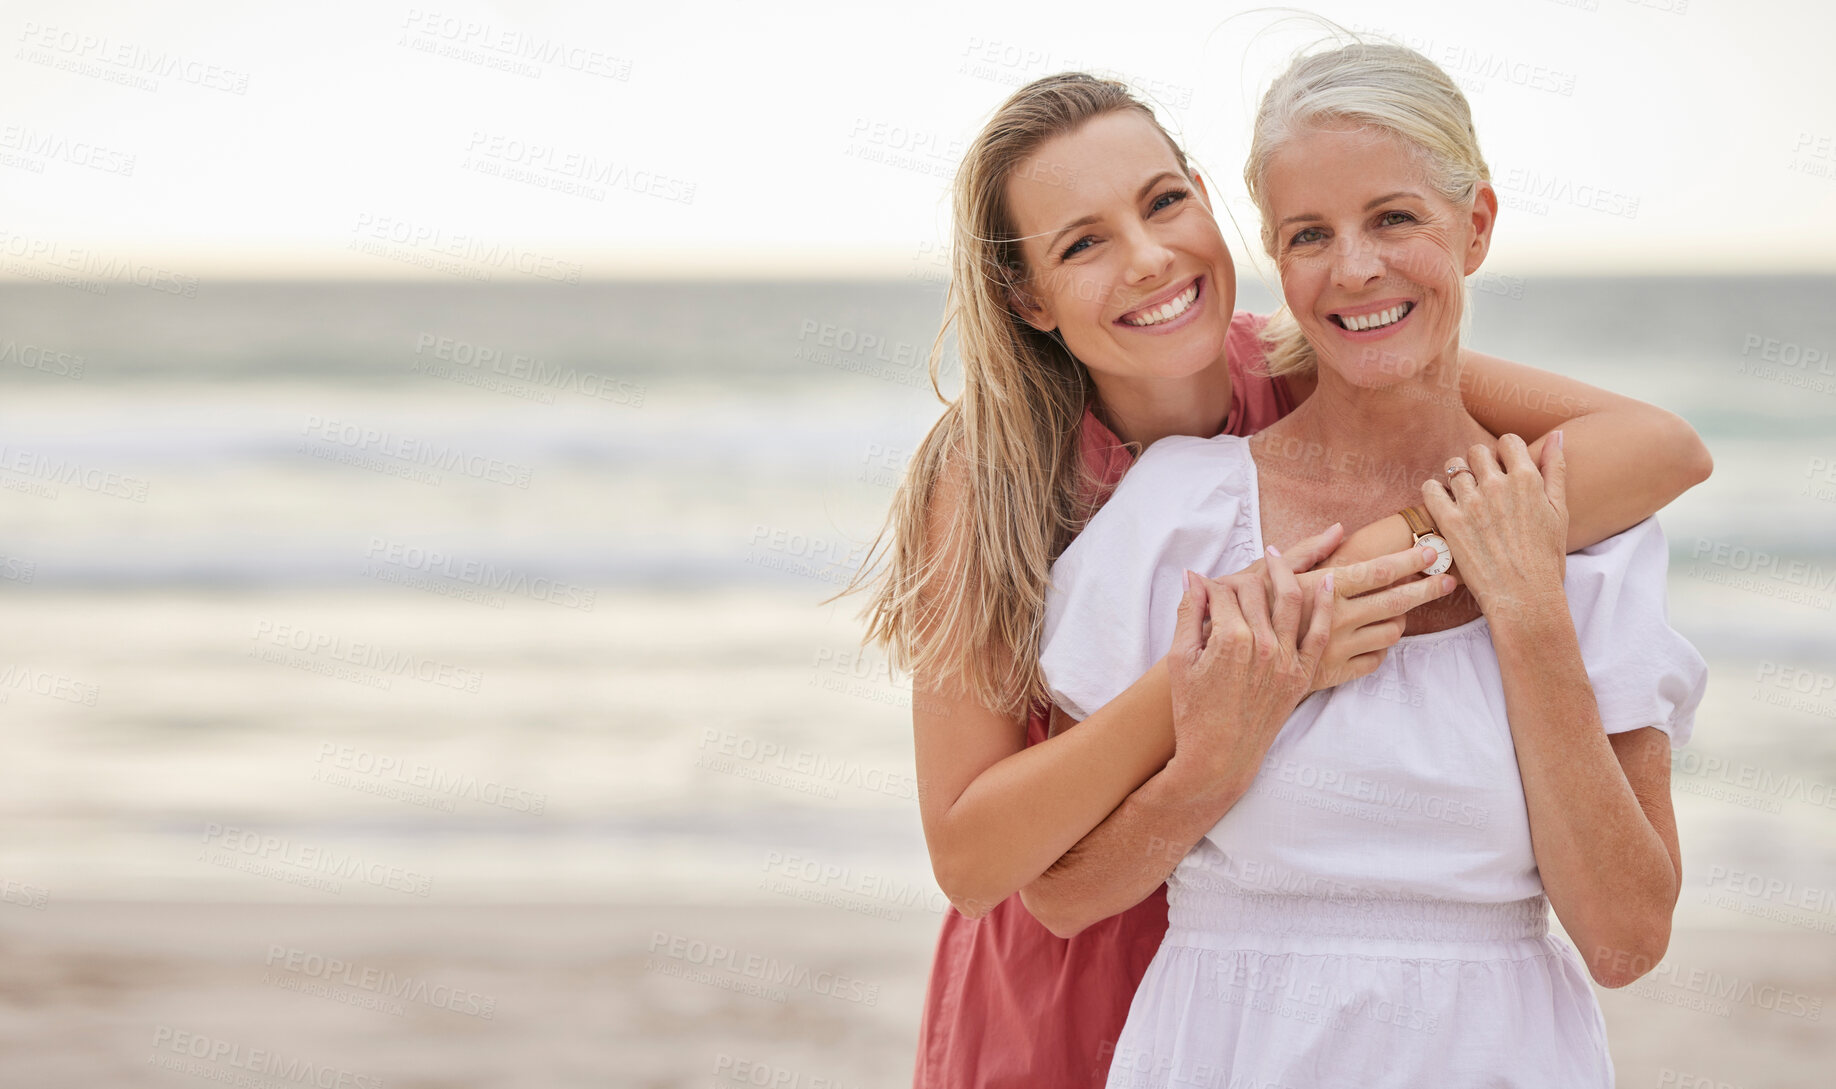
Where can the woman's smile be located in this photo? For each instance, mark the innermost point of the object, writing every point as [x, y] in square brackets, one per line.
[1372, 321]
[1168, 311]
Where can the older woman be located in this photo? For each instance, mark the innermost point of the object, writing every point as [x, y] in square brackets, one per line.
[1373, 908]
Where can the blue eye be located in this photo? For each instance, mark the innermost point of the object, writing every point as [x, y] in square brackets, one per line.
[1168, 199]
[1075, 248]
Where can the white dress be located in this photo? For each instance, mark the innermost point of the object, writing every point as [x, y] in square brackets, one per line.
[1369, 914]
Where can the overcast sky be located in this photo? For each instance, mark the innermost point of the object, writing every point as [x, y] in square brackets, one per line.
[357, 138]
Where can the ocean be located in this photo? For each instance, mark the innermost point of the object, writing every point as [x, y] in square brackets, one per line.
[476, 592]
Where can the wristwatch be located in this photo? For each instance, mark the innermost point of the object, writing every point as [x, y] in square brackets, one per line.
[1422, 527]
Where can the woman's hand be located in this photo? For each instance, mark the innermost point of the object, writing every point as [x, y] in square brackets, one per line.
[1374, 598]
[1367, 622]
[1236, 683]
[1507, 526]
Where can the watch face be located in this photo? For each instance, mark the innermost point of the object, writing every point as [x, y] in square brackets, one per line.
[1443, 558]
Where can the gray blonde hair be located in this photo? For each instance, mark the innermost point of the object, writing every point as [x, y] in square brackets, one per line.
[1375, 85]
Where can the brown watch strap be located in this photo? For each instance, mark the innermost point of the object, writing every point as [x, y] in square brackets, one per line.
[1419, 522]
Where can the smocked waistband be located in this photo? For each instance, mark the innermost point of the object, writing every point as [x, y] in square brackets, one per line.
[1213, 915]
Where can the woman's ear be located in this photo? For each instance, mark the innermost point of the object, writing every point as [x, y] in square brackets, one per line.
[1484, 217]
[1023, 303]
[1198, 183]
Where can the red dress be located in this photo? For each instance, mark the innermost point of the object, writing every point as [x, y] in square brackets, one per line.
[1010, 1004]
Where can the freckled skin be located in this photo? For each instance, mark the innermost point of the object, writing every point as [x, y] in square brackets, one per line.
[1359, 225]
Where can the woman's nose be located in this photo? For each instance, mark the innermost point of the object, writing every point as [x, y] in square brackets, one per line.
[1148, 256]
[1355, 262]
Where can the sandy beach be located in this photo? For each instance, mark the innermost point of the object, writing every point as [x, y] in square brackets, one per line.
[124, 995]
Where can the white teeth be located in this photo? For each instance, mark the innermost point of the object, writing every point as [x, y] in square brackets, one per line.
[1381, 318]
[1166, 311]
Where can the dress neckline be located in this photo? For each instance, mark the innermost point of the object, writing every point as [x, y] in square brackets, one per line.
[1255, 521]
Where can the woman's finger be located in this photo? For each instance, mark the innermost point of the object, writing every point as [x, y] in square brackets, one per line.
[1229, 634]
[1397, 600]
[1319, 625]
[1372, 637]
[1363, 665]
[1514, 456]
[1554, 468]
[1188, 633]
[1285, 592]
[1483, 462]
[1464, 485]
[1361, 578]
[1253, 601]
[1440, 504]
[1307, 551]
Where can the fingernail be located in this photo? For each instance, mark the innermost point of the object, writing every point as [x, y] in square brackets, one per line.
[1558, 440]
[1334, 526]
[1274, 552]
[1188, 582]
[1327, 582]
[1447, 584]
[1428, 553]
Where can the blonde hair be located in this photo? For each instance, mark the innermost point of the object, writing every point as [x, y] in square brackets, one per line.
[965, 596]
[1376, 85]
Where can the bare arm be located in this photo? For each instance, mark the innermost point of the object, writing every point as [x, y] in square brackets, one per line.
[1626, 460]
[1601, 825]
[997, 812]
[1131, 853]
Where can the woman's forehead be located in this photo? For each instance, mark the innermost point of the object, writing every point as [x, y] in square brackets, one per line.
[1084, 172]
[1343, 161]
